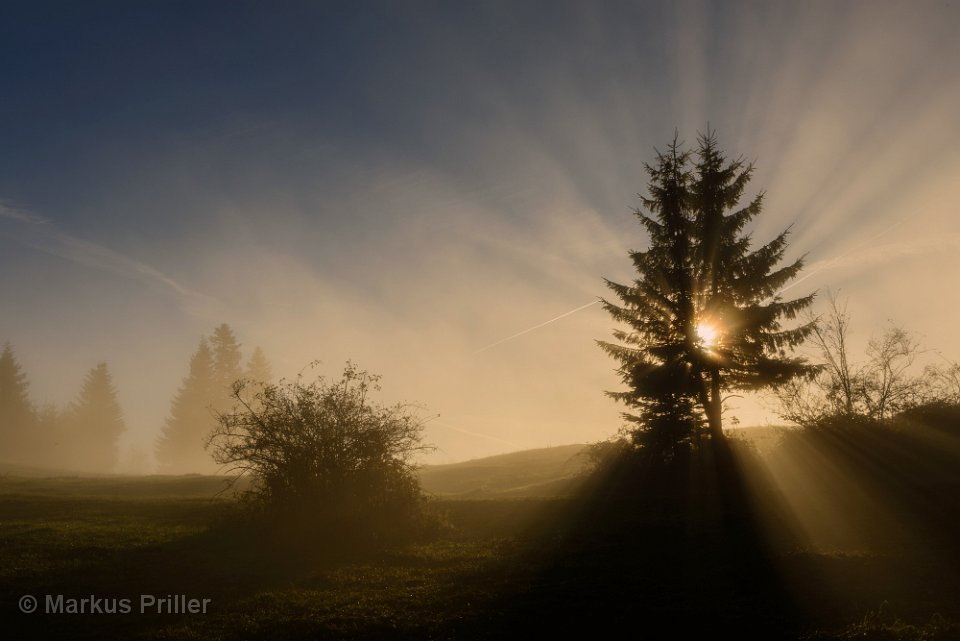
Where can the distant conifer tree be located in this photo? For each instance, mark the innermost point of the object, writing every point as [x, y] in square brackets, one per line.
[96, 422]
[180, 447]
[226, 365]
[17, 415]
[258, 368]
[257, 375]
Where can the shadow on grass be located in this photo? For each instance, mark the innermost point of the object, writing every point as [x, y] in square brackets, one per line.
[879, 511]
[860, 540]
[675, 548]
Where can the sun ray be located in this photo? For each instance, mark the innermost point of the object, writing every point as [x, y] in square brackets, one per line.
[708, 334]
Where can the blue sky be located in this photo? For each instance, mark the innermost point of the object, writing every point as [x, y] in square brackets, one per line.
[406, 183]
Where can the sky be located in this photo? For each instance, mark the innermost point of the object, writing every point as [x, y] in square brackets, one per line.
[409, 184]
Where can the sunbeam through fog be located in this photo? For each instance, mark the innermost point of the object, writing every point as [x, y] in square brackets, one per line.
[441, 206]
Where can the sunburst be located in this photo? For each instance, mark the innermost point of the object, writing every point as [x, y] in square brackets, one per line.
[708, 334]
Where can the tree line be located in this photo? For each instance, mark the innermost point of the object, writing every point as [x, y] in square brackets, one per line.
[205, 393]
[84, 434]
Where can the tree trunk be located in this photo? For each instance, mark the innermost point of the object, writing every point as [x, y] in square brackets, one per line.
[713, 407]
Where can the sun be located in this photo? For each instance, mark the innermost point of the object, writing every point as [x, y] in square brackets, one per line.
[708, 334]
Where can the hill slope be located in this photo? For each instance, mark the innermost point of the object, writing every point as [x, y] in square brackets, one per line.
[551, 471]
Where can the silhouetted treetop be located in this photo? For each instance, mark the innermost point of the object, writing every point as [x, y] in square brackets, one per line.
[704, 314]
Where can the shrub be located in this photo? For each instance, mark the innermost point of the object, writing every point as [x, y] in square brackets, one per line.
[323, 451]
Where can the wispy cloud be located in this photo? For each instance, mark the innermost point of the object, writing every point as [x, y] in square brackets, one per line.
[853, 256]
[891, 252]
[17, 214]
[866, 255]
[41, 234]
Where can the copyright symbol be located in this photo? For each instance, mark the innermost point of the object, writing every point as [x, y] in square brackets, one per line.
[28, 604]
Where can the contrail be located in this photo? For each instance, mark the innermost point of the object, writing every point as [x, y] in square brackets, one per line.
[530, 329]
[477, 434]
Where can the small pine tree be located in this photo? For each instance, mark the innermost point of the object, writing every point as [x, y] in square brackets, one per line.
[258, 368]
[96, 422]
[257, 376]
[17, 414]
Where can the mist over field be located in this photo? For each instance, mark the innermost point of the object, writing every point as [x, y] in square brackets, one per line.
[405, 186]
[479, 320]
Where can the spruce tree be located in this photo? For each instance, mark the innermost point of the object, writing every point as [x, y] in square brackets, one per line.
[743, 344]
[257, 376]
[258, 368]
[226, 365]
[180, 447]
[96, 422]
[658, 308]
[17, 416]
[704, 313]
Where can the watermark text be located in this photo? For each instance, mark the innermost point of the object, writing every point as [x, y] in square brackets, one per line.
[93, 604]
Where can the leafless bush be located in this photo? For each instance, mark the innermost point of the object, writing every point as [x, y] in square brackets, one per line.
[883, 384]
[322, 446]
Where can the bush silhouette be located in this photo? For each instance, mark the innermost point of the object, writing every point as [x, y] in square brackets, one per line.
[322, 452]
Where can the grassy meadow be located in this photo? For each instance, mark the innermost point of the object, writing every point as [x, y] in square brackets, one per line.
[716, 545]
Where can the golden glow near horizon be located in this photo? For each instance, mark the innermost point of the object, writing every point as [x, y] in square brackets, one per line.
[319, 227]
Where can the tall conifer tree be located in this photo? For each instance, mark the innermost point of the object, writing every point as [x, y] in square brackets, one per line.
[704, 313]
[659, 310]
[741, 310]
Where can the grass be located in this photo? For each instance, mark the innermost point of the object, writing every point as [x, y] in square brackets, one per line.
[685, 555]
[544, 472]
[121, 547]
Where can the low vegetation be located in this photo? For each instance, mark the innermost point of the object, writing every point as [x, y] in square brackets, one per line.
[324, 458]
[723, 536]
